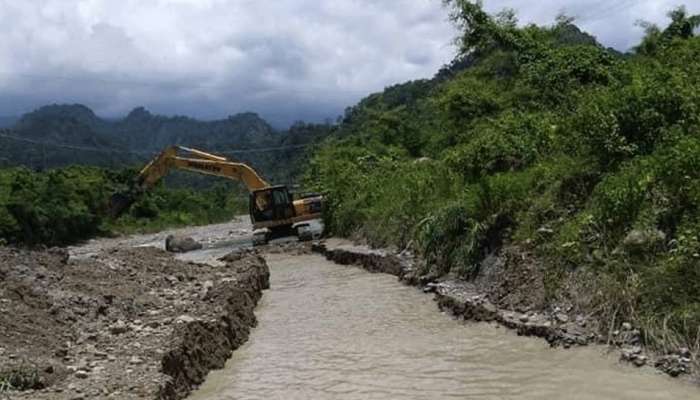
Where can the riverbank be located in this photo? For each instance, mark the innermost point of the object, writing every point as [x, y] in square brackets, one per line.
[509, 291]
[122, 322]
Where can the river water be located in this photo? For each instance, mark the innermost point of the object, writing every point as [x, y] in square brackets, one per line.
[333, 332]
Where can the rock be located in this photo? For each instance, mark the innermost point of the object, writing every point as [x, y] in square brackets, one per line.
[644, 241]
[81, 374]
[135, 360]
[640, 361]
[634, 355]
[524, 318]
[153, 324]
[184, 319]
[118, 328]
[684, 352]
[62, 253]
[581, 340]
[626, 326]
[561, 317]
[431, 287]
[181, 244]
[673, 365]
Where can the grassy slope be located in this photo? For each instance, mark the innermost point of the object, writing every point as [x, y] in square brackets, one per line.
[587, 157]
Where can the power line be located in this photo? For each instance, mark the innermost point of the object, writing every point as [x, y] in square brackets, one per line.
[68, 146]
[266, 149]
[147, 153]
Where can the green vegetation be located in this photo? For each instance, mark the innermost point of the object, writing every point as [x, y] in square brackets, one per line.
[62, 206]
[541, 137]
[20, 378]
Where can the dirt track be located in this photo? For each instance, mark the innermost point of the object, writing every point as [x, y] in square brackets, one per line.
[121, 322]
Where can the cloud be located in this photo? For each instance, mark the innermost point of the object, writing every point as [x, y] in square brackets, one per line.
[287, 59]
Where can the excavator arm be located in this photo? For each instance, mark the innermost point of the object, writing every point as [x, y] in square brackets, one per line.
[204, 163]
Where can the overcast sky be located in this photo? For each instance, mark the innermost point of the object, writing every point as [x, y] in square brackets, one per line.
[285, 59]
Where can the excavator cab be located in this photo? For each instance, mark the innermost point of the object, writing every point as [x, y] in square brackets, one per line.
[271, 205]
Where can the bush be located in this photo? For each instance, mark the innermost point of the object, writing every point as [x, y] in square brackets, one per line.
[511, 143]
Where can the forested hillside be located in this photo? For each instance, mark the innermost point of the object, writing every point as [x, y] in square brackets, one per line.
[540, 139]
[62, 135]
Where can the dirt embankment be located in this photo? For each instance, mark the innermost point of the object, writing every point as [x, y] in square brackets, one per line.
[123, 324]
[509, 290]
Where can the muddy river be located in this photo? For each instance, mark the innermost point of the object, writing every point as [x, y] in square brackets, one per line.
[332, 332]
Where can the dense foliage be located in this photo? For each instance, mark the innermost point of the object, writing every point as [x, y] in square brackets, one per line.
[538, 136]
[62, 206]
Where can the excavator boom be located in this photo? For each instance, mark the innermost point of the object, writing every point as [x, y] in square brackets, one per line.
[208, 164]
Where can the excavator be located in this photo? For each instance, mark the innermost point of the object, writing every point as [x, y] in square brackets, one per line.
[273, 210]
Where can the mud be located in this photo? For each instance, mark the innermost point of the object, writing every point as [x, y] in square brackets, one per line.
[121, 323]
[509, 291]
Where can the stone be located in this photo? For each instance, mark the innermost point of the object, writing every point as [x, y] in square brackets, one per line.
[644, 241]
[118, 328]
[181, 244]
[184, 319]
[684, 352]
[524, 318]
[561, 317]
[626, 326]
[81, 374]
[153, 324]
[640, 361]
[673, 365]
[135, 360]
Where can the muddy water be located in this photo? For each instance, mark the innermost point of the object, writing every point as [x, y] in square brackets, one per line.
[331, 332]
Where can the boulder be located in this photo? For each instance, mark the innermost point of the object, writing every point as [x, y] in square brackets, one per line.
[181, 244]
[644, 241]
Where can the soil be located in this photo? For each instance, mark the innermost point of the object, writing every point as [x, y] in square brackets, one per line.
[121, 323]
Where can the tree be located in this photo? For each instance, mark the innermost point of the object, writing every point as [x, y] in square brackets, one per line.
[682, 26]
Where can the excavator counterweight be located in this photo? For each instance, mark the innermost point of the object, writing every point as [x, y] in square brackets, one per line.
[273, 210]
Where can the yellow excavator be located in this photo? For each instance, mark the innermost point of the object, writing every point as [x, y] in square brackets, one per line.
[273, 210]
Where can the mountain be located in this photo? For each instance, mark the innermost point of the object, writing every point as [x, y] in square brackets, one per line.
[63, 134]
[73, 125]
[143, 130]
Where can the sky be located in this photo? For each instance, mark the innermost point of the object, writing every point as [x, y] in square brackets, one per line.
[287, 60]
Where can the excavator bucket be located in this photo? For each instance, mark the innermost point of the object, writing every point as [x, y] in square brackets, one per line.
[119, 203]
